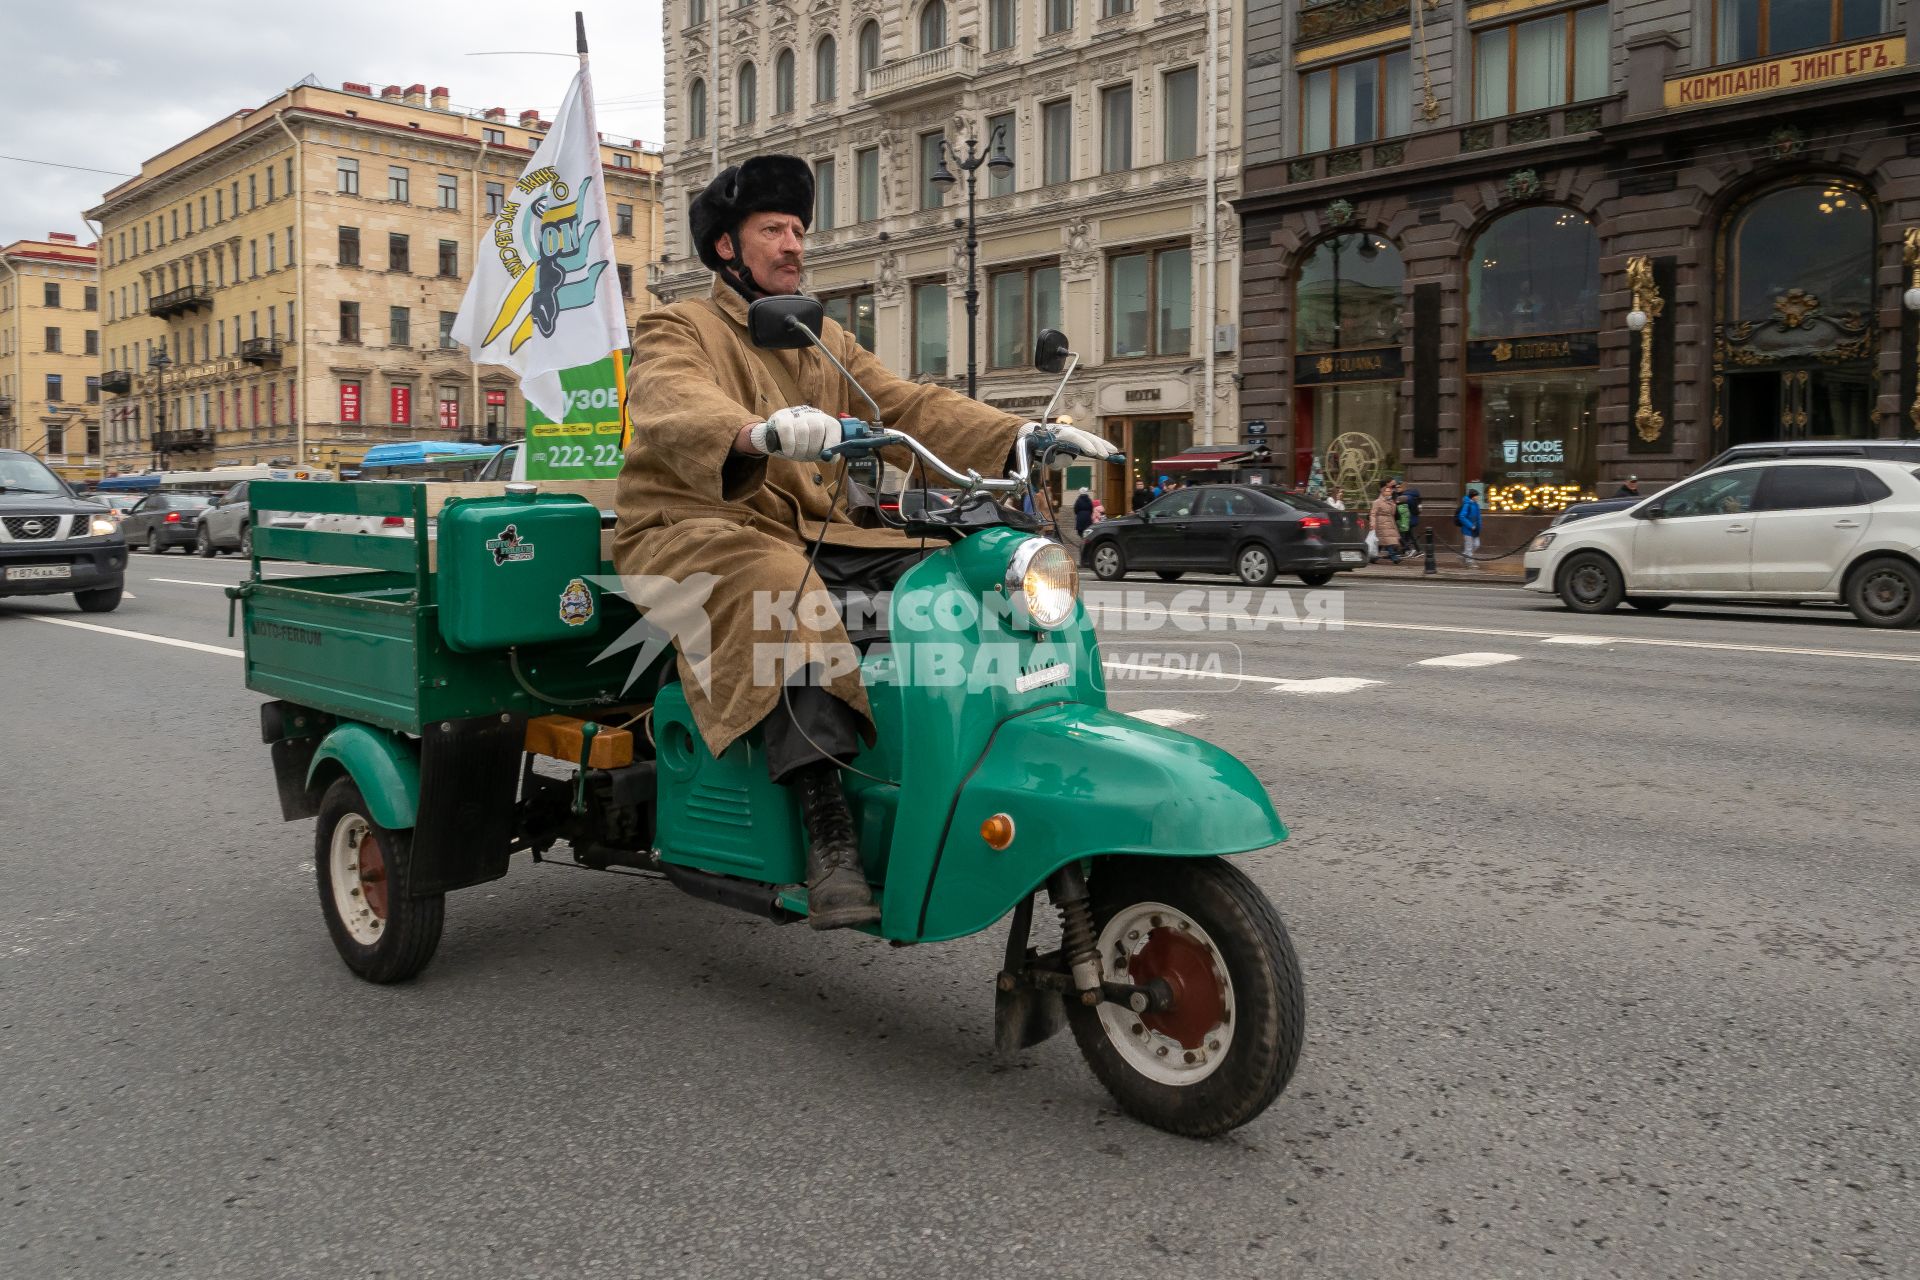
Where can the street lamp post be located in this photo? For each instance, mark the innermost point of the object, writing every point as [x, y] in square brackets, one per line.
[158, 362]
[995, 157]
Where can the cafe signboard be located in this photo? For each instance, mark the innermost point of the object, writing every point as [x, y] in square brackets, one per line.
[1795, 71]
[1379, 364]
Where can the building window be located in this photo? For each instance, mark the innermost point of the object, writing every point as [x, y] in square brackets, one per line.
[1181, 106]
[399, 327]
[447, 319]
[349, 246]
[1059, 16]
[866, 182]
[1114, 8]
[449, 189]
[1747, 29]
[933, 26]
[1020, 303]
[53, 388]
[50, 295]
[53, 340]
[625, 273]
[55, 445]
[93, 397]
[346, 177]
[783, 83]
[932, 194]
[869, 52]
[273, 257]
[622, 160]
[269, 199]
[253, 199]
[1150, 303]
[1356, 101]
[91, 298]
[1348, 297]
[1116, 129]
[399, 252]
[1056, 126]
[854, 313]
[697, 109]
[349, 322]
[930, 329]
[746, 95]
[825, 195]
[696, 12]
[623, 219]
[219, 213]
[397, 181]
[1530, 66]
[1000, 25]
[91, 342]
[496, 198]
[826, 70]
[998, 183]
[450, 259]
[253, 261]
[494, 137]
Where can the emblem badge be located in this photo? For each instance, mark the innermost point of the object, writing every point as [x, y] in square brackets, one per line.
[576, 604]
[508, 547]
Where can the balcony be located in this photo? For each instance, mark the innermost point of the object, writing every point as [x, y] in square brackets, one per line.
[116, 382]
[948, 65]
[1528, 138]
[180, 301]
[192, 441]
[259, 351]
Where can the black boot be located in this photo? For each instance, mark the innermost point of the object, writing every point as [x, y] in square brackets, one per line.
[837, 892]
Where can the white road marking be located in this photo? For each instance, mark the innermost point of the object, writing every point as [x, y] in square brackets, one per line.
[1165, 717]
[189, 582]
[1469, 660]
[1324, 684]
[136, 635]
[1580, 640]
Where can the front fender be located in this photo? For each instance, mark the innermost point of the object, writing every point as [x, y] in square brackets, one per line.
[383, 765]
[1080, 781]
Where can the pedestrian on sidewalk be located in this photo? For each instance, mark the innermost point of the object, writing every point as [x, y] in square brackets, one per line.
[1082, 513]
[1099, 511]
[1141, 495]
[1408, 516]
[1385, 515]
[1468, 518]
[1631, 489]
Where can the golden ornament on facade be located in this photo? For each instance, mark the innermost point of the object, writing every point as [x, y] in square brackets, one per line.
[1795, 307]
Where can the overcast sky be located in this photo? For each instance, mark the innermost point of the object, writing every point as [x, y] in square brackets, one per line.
[106, 84]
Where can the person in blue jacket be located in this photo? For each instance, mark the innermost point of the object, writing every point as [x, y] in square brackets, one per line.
[1468, 518]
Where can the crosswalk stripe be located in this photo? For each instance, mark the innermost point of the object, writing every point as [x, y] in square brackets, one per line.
[1469, 660]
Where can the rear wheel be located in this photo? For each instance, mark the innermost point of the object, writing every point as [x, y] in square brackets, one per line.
[1254, 565]
[155, 547]
[365, 871]
[246, 539]
[1591, 584]
[1228, 1045]
[1318, 578]
[1108, 563]
[98, 600]
[1885, 592]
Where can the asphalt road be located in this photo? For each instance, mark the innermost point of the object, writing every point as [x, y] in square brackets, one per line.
[1608, 936]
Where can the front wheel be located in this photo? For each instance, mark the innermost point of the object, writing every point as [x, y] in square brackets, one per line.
[98, 600]
[1108, 563]
[365, 871]
[1591, 584]
[1254, 565]
[155, 547]
[1228, 1045]
[205, 544]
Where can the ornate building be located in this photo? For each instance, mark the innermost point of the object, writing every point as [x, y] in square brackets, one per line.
[50, 353]
[280, 287]
[1120, 122]
[1542, 245]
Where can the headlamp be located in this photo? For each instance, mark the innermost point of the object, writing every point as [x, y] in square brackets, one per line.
[1541, 542]
[1044, 577]
[101, 526]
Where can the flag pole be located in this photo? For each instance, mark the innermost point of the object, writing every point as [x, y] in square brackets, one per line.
[580, 34]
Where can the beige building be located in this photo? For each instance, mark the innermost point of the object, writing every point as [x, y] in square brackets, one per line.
[50, 353]
[299, 266]
[1122, 124]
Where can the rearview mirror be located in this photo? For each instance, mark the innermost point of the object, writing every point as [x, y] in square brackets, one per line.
[1050, 351]
[781, 323]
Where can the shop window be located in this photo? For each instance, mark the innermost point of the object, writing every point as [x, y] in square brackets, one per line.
[1348, 295]
[1356, 102]
[1150, 304]
[1547, 62]
[1744, 30]
[930, 329]
[1020, 303]
[1534, 271]
[854, 313]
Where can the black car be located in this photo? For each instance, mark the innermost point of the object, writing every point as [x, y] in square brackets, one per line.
[165, 520]
[51, 542]
[1244, 530]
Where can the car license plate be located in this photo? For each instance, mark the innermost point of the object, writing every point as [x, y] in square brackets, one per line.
[1349, 557]
[20, 573]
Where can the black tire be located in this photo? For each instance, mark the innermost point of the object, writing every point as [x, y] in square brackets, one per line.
[1884, 592]
[246, 540]
[204, 544]
[98, 600]
[1269, 1002]
[1645, 605]
[155, 547]
[1253, 564]
[1108, 561]
[1169, 575]
[411, 924]
[1318, 578]
[1590, 583]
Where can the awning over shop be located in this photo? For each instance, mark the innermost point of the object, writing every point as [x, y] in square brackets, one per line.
[1207, 460]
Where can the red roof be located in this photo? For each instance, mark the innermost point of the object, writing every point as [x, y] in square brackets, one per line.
[1200, 460]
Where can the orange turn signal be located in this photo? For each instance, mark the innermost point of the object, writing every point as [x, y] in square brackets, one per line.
[997, 831]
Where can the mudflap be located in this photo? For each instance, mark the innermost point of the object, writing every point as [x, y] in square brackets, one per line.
[469, 775]
[1024, 1014]
[293, 734]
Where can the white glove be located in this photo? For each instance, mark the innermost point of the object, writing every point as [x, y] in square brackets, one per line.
[1085, 442]
[801, 433]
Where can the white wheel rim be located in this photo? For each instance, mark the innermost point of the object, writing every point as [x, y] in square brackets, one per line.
[1158, 1056]
[1106, 559]
[1253, 564]
[343, 872]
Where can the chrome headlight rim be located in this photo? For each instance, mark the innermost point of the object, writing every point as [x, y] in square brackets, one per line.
[1057, 610]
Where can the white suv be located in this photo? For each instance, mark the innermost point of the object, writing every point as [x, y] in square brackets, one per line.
[1806, 529]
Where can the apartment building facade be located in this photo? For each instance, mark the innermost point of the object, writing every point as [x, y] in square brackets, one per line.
[1542, 245]
[1120, 120]
[50, 353]
[280, 287]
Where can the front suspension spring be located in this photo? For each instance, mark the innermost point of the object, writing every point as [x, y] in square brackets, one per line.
[1068, 889]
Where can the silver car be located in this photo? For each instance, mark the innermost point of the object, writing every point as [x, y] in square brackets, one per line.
[227, 525]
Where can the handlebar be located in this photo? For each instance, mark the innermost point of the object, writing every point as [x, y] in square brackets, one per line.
[859, 439]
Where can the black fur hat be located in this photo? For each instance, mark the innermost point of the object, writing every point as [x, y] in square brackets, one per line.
[764, 184]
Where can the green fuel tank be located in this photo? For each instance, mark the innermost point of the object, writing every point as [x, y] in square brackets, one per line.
[518, 569]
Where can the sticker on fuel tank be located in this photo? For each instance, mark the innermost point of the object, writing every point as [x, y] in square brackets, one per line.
[508, 548]
[576, 604]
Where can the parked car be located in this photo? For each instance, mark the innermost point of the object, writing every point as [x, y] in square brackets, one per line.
[1892, 450]
[52, 542]
[117, 504]
[227, 525]
[163, 520]
[1808, 529]
[1244, 530]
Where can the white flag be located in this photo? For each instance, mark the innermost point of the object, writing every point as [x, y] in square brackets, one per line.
[543, 297]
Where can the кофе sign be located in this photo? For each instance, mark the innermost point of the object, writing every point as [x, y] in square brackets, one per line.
[1380, 364]
[1542, 351]
[1796, 71]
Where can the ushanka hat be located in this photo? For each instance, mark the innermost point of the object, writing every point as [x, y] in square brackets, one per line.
[764, 184]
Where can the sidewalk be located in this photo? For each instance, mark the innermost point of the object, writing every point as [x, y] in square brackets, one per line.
[1450, 568]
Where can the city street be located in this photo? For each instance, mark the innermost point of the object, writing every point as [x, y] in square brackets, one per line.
[1606, 922]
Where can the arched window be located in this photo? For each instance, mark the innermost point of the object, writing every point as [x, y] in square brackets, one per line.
[826, 70]
[869, 51]
[1347, 332]
[746, 100]
[697, 109]
[783, 83]
[933, 26]
[1536, 270]
[1816, 238]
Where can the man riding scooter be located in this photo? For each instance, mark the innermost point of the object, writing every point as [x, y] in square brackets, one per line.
[724, 478]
